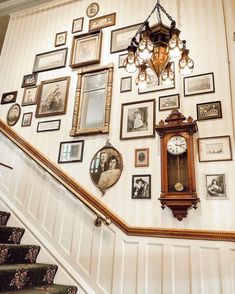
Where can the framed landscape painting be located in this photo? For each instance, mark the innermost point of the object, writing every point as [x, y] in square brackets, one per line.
[199, 84]
[169, 102]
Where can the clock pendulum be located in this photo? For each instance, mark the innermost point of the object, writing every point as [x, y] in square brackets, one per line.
[178, 186]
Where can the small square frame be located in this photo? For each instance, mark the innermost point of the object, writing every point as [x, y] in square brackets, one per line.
[169, 102]
[121, 59]
[141, 187]
[71, 151]
[209, 110]
[216, 187]
[141, 157]
[30, 96]
[126, 84]
[60, 39]
[27, 119]
[77, 25]
[199, 84]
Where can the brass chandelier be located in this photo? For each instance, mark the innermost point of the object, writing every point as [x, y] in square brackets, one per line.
[156, 48]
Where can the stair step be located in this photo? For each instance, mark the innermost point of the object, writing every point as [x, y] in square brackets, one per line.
[54, 289]
[21, 276]
[4, 216]
[11, 235]
[15, 253]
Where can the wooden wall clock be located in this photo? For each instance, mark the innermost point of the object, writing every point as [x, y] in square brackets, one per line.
[178, 185]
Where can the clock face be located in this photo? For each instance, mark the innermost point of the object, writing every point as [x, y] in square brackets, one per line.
[176, 145]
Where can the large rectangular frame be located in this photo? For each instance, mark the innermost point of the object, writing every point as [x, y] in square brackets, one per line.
[199, 84]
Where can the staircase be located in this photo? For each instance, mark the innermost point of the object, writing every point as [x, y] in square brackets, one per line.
[19, 272]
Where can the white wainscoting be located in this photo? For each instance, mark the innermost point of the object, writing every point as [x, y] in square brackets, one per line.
[103, 259]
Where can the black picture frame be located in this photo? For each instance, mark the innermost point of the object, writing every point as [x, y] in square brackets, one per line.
[141, 186]
[71, 151]
[29, 80]
[169, 102]
[9, 97]
[48, 126]
[209, 110]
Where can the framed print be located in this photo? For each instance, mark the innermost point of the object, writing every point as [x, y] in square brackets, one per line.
[50, 60]
[29, 80]
[92, 9]
[13, 114]
[169, 102]
[106, 167]
[126, 84]
[102, 22]
[138, 120]
[215, 186]
[30, 96]
[156, 84]
[60, 39]
[52, 97]
[121, 38]
[141, 187]
[209, 110]
[50, 125]
[86, 49]
[9, 97]
[214, 148]
[93, 99]
[199, 84]
[71, 151]
[121, 59]
[77, 25]
[27, 119]
[141, 157]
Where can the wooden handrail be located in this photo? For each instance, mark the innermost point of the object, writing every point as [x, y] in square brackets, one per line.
[100, 208]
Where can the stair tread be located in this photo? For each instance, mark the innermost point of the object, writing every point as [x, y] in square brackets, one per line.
[46, 289]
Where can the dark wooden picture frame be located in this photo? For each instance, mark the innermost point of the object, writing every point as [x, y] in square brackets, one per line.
[141, 157]
[27, 119]
[169, 102]
[103, 21]
[71, 151]
[29, 80]
[199, 84]
[9, 97]
[141, 187]
[13, 114]
[30, 96]
[60, 38]
[77, 25]
[209, 110]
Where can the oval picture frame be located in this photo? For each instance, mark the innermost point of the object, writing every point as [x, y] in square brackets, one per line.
[106, 167]
[13, 114]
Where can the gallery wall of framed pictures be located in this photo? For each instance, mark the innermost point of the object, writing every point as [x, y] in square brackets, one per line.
[72, 86]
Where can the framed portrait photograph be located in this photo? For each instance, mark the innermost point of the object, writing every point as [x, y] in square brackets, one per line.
[77, 25]
[156, 84]
[9, 97]
[209, 110]
[121, 38]
[141, 187]
[102, 22]
[169, 102]
[199, 84]
[121, 59]
[137, 120]
[92, 9]
[126, 84]
[13, 114]
[30, 96]
[27, 119]
[86, 49]
[50, 60]
[50, 125]
[214, 148]
[71, 151]
[93, 99]
[106, 167]
[29, 80]
[215, 186]
[53, 97]
[141, 157]
[60, 39]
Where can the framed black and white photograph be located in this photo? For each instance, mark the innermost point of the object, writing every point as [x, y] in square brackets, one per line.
[50, 125]
[71, 151]
[141, 157]
[86, 49]
[27, 119]
[53, 97]
[209, 110]
[141, 187]
[214, 148]
[126, 84]
[155, 83]
[13, 114]
[199, 84]
[30, 96]
[137, 120]
[9, 97]
[60, 39]
[77, 25]
[50, 60]
[121, 59]
[29, 80]
[169, 102]
[216, 186]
